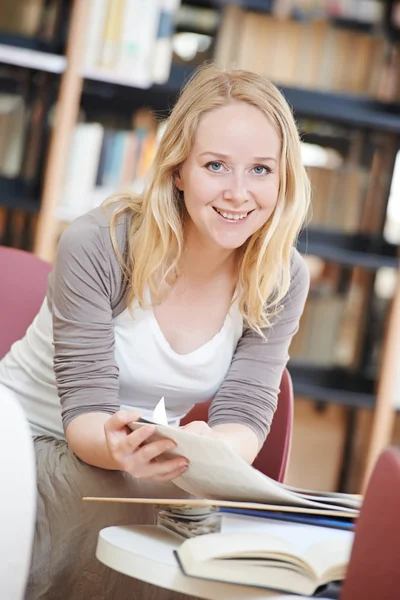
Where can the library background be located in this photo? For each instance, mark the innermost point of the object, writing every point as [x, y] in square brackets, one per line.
[85, 87]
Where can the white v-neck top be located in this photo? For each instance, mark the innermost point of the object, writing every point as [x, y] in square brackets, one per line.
[149, 368]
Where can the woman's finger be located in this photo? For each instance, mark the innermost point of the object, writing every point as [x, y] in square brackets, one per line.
[171, 475]
[154, 449]
[130, 444]
[120, 420]
[162, 467]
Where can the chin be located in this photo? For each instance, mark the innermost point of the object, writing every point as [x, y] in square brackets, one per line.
[229, 244]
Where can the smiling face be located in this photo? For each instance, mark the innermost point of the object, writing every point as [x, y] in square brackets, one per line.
[230, 179]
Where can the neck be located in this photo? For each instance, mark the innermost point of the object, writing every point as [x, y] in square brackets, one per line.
[202, 262]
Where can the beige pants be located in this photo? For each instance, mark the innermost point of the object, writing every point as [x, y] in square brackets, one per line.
[64, 566]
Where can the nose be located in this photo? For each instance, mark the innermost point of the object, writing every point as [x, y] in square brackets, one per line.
[236, 190]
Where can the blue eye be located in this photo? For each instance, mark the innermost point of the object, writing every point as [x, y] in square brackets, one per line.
[261, 170]
[210, 166]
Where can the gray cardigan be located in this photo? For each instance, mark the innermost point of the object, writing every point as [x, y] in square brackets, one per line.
[86, 291]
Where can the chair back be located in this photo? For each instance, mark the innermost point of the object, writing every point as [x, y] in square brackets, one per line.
[374, 570]
[23, 279]
[272, 460]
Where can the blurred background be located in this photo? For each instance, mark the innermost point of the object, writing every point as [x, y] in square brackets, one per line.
[85, 88]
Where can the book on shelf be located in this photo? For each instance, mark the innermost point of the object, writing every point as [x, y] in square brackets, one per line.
[162, 52]
[317, 338]
[283, 556]
[130, 41]
[12, 134]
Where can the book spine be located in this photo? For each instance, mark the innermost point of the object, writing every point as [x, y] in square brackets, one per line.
[162, 57]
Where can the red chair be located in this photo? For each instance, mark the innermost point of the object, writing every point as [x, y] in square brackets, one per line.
[272, 460]
[22, 290]
[374, 571]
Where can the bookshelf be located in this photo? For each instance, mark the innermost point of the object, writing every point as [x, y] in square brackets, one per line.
[353, 250]
[32, 59]
[365, 251]
[340, 386]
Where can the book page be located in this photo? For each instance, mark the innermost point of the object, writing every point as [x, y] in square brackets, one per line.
[300, 537]
[217, 471]
[320, 547]
[338, 497]
[329, 559]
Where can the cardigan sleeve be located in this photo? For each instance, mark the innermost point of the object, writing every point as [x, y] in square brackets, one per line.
[80, 297]
[248, 394]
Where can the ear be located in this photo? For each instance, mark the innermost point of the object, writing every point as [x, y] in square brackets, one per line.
[178, 180]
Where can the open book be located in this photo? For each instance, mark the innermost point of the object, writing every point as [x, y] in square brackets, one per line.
[217, 472]
[295, 559]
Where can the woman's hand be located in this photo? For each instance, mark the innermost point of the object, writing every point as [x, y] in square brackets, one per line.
[132, 455]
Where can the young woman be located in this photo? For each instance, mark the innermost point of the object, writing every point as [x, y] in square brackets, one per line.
[190, 291]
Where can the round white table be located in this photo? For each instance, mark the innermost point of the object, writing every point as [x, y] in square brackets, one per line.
[145, 552]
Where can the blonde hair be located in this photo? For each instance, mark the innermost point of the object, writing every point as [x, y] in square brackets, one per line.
[156, 237]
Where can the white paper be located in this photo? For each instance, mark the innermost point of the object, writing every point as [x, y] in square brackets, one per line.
[160, 414]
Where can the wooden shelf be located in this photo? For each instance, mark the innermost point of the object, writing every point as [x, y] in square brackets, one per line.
[257, 5]
[334, 142]
[354, 250]
[109, 76]
[356, 111]
[31, 43]
[336, 385]
[354, 24]
[32, 59]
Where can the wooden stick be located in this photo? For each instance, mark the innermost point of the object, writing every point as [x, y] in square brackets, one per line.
[67, 110]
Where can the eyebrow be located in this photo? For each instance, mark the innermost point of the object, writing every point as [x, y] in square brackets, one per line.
[225, 156]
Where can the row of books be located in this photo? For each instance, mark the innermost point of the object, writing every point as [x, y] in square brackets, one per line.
[103, 161]
[330, 326]
[338, 196]
[131, 39]
[319, 340]
[302, 53]
[31, 18]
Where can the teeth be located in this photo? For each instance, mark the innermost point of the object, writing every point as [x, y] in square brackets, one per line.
[231, 216]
